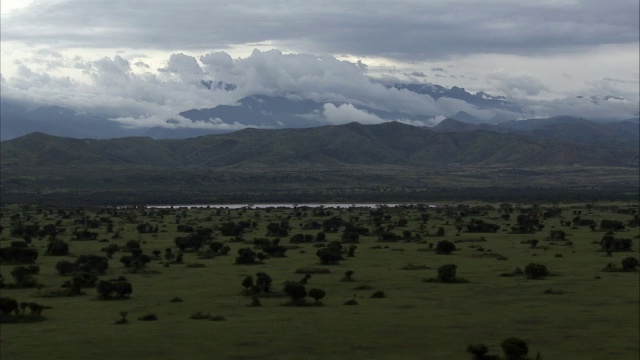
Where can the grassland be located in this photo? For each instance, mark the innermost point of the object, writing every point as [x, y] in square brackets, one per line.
[117, 185]
[596, 316]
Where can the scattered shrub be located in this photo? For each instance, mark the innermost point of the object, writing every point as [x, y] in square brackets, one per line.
[148, 317]
[200, 316]
[412, 266]
[114, 289]
[536, 271]
[348, 276]
[123, 318]
[447, 273]
[363, 287]
[629, 264]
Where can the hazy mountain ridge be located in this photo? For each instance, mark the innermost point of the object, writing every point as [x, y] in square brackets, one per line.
[388, 143]
[282, 110]
[479, 99]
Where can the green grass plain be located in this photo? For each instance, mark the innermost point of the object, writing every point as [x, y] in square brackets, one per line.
[597, 317]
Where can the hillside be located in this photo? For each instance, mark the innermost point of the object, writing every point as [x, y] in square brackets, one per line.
[347, 162]
[387, 143]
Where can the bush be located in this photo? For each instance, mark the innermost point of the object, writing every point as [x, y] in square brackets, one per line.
[8, 306]
[12, 311]
[18, 255]
[23, 276]
[447, 273]
[82, 280]
[118, 288]
[536, 271]
[317, 294]
[611, 244]
[478, 350]
[65, 267]
[514, 348]
[331, 254]
[246, 256]
[312, 270]
[200, 316]
[57, 248]
[348, 276]
[263, 282]
[445, 247]
[296, 292]
[92, 264]
[148, 317]
[629, 264]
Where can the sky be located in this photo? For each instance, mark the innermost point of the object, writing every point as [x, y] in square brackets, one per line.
[141, 62]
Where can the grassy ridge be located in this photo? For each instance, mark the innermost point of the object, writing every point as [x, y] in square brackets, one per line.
[388, 143]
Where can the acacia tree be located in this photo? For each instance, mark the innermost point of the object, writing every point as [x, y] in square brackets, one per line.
[263, 282]
[247, 282]
[317, 294]
[478, 350]
[296, 291]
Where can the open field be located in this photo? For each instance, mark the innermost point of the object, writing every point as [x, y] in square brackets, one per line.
[589, 314]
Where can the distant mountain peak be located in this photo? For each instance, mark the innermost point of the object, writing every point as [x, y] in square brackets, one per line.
[484, 100]
[221, 85]
[453, 125]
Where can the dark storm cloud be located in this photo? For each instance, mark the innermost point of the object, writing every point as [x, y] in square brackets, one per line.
[406, 30]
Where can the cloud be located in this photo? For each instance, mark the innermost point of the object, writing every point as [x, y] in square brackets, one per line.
[174, 121]
[403, 29]
[346, 113]
[142, 64]
[64, 52]
[139, 93]
[588, 107]
[517, 84]
[135, 94]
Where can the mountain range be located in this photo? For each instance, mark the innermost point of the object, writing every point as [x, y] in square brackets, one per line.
[346, 162]
[259, 111]
[558, 143]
